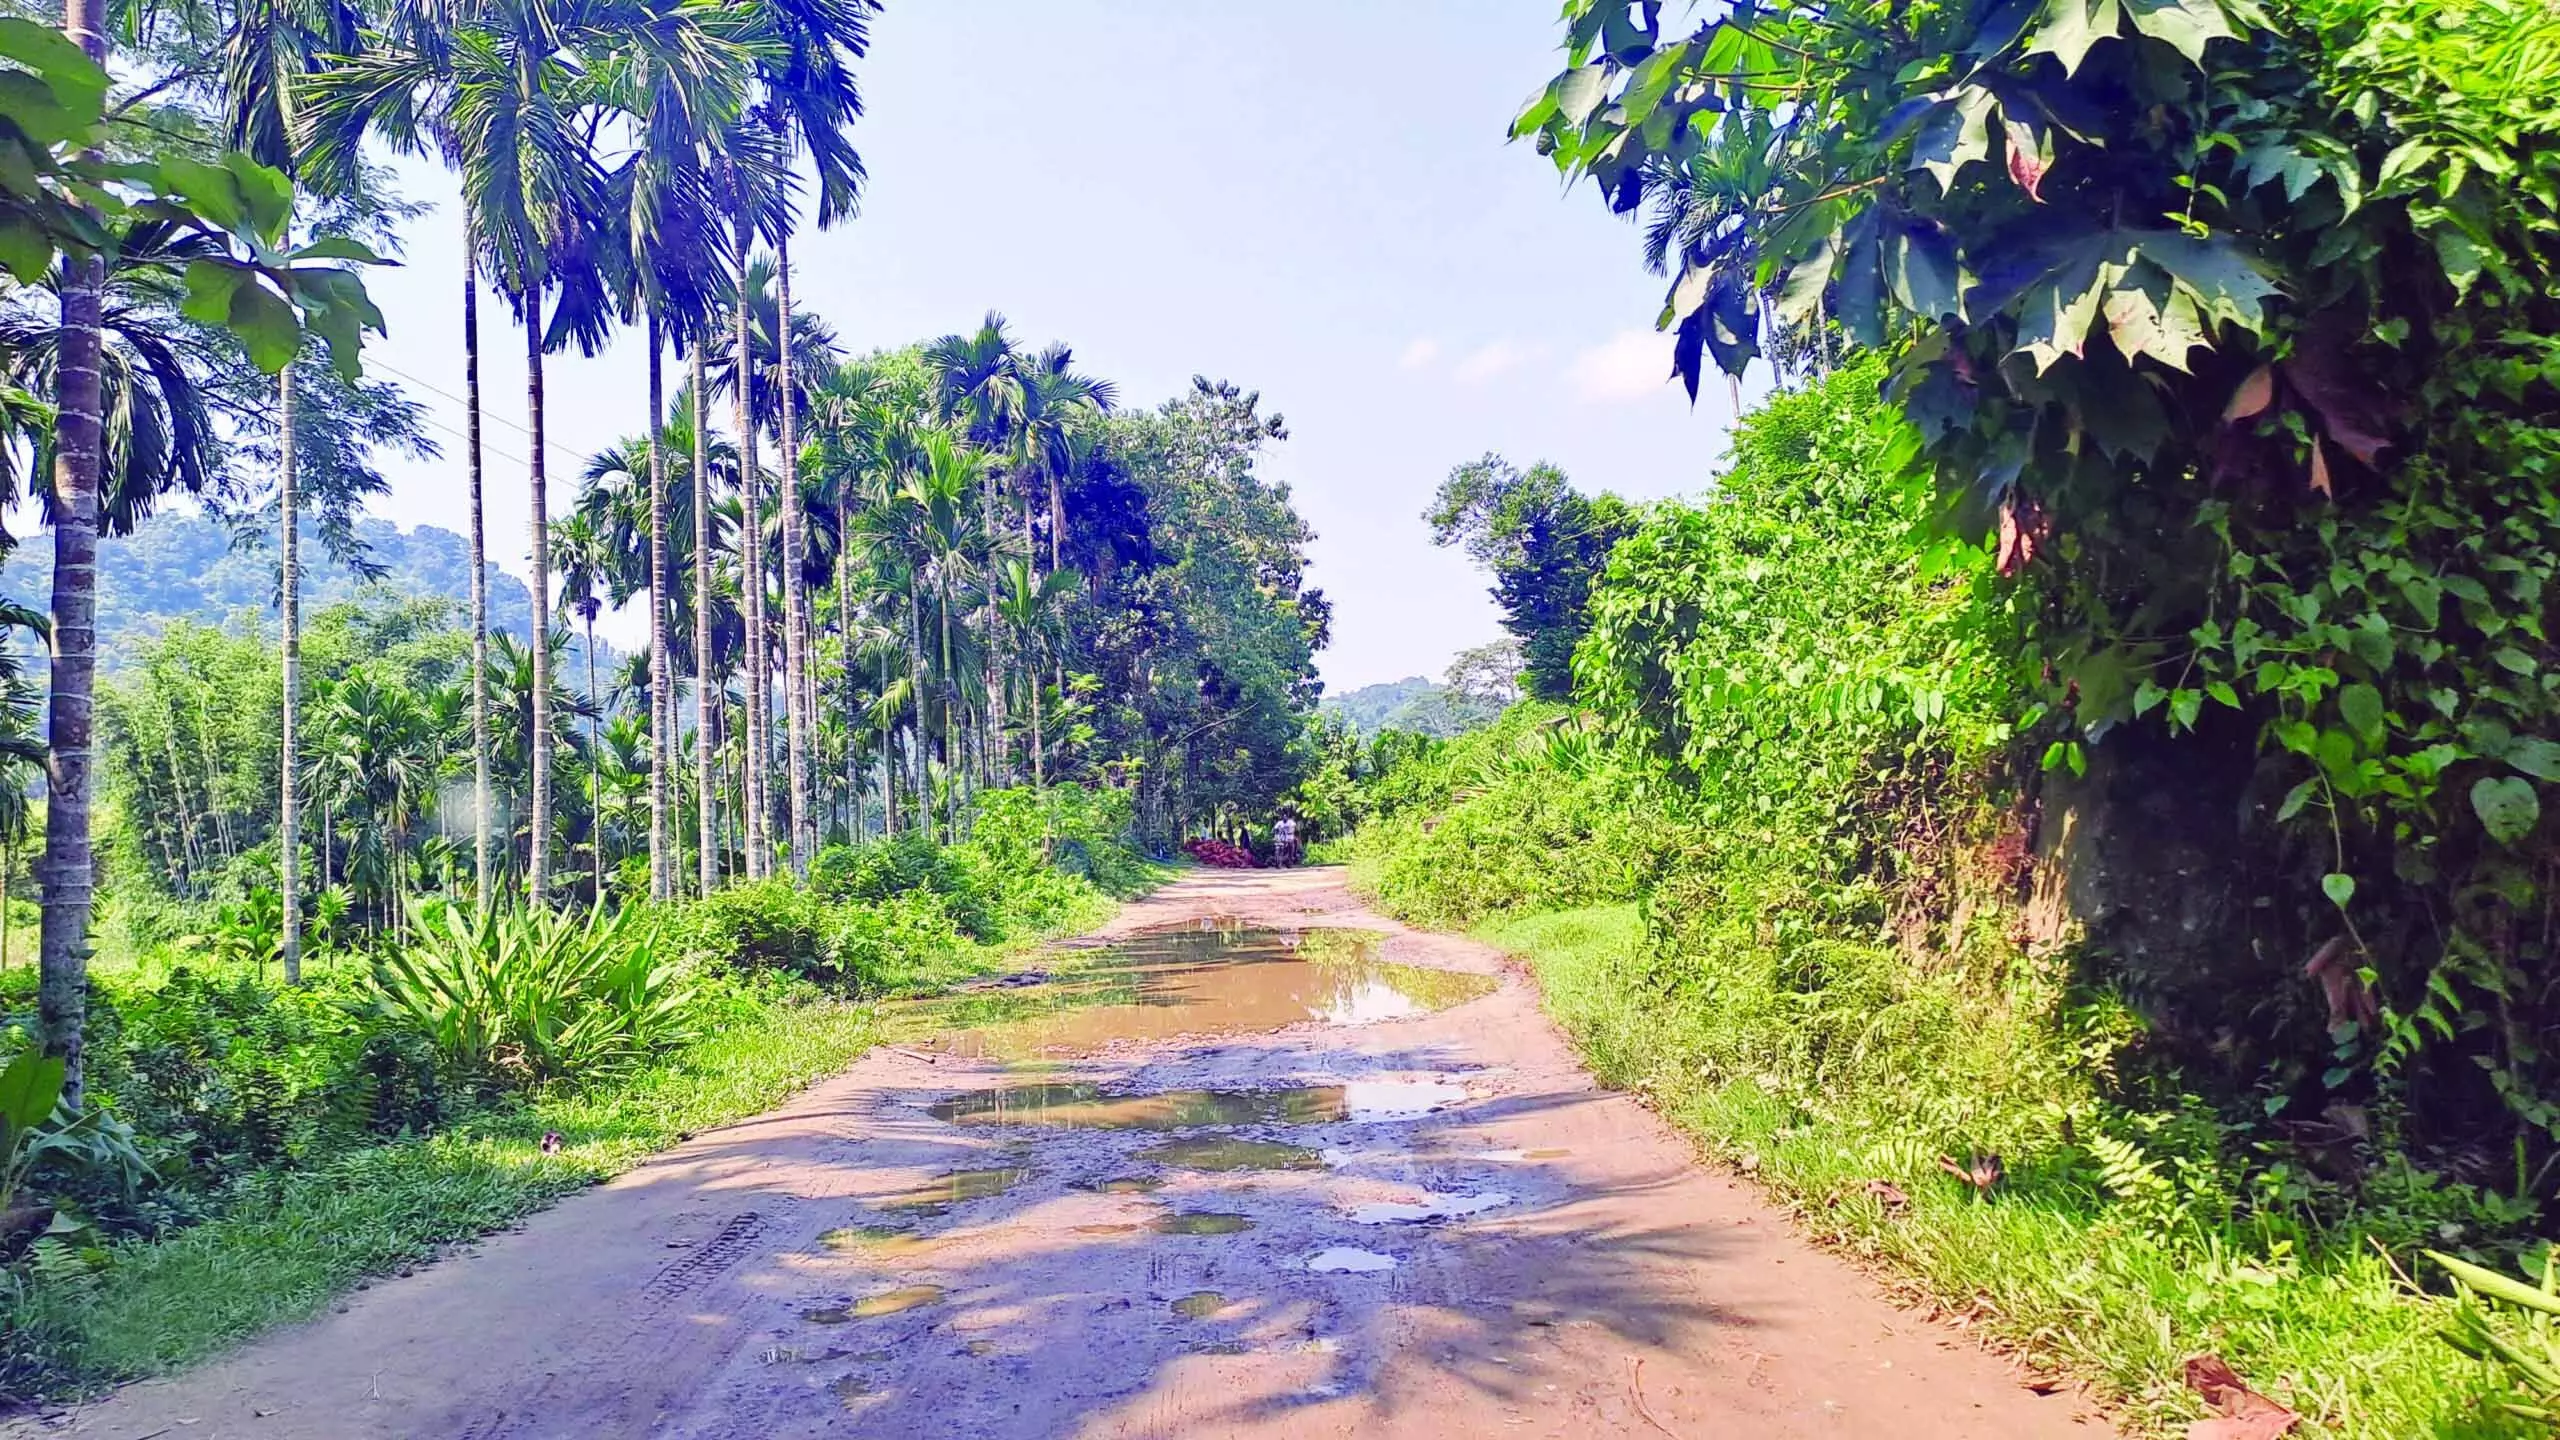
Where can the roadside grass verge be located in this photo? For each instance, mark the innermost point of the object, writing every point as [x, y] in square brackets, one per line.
[2045, 1267]
[290, 1241]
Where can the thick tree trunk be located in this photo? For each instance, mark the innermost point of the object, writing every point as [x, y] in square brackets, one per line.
[538, 851]
[797, 718]
[662, 705]
[289, 806]
[705, 777]
[481, 806]
[751, 586]
[62, 995]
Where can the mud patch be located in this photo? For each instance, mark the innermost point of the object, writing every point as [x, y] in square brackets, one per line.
[1125, 1185]
[1070, 1106]
[1202, 1222]
[1220, 1152]
[1194, 980]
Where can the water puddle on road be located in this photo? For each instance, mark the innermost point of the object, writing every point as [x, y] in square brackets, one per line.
[1201, 1222]
[1428, 1209]
[1220, 1152]
[872, 1307]
[1210, 978]
[1199, 1304]
[885, 1242]
[1088, 1107]
[942, 1192]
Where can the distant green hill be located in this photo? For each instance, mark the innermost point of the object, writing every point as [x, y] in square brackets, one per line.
[184, 566]
[1413, 704]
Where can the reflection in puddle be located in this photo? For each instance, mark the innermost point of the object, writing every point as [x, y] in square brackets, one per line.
[1201, 980]
[1218, 1152]
[1202, 1222]
[944, 1191]
[1344, 1259]
[871, 1307]
[883, 1241]
[1427, 1209]
[1200, 1304]
[1087, 1107]
[1106, 1229]
[1512, 1157]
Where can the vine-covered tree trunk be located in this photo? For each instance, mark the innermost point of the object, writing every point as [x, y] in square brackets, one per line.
[289, 592]
[481, 818]
[62, 994]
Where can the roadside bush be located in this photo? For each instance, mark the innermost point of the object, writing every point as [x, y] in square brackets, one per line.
[530, 996]
[768, 924]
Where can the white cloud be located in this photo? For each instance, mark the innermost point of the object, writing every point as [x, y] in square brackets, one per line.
[1487, 361]
[1419, 354]
[1630, 365]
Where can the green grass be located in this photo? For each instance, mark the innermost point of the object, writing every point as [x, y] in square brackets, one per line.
[296, 1240]
[2043, 1267]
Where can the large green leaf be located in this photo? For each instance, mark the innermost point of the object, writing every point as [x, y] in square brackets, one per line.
[30, 1086]
[1956, 134]
[2185, 25]
[2507, 807]
[1920, 261]
[76, 84]
[2149, 315]
[2070, 27]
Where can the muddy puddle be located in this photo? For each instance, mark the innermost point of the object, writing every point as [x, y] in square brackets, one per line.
[872, 1307]
[1201, 1222]
[1089, 1107]
[1206, 979]
[1221, 1152]
[944, 1191]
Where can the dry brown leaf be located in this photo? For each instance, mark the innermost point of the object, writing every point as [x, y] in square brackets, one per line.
[1889, 1193]
[2246, 1414]
[2254, 395]
[2319, 467]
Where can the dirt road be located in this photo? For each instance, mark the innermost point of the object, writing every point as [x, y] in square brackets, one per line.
[1383, 1220]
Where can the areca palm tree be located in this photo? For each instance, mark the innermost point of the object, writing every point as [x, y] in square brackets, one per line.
[689, 119]
[1032, 606]
[586, 559]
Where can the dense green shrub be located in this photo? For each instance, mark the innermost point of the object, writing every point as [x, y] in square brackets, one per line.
[537, 995]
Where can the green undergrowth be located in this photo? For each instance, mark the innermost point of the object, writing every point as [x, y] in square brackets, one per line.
[288, 1142]
[298, 1239]
[2050, 1265]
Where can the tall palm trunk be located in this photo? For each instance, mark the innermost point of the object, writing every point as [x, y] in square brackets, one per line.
[595, 753]
[844, 633]
[918, 673]
[538, 856]
[480, 797]
[888, 757]
[954, 757]
[705, 777]
[69, 874]
[662, 705]
[751, 584]
[795, 596]
[289, 807]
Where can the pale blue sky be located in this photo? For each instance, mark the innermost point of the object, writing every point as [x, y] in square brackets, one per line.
[1313, 199]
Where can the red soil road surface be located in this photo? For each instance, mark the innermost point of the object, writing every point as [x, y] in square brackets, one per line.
[1621, 1290]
